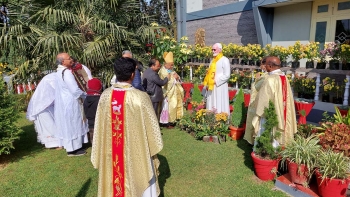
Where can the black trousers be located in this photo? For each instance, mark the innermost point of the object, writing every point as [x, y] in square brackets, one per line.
[156, 108]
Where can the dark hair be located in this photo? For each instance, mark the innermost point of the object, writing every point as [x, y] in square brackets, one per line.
[152, 62]
[123, 68]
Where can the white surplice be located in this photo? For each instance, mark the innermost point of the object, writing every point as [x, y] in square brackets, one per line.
[218, 97]
[41, 111]
[70, 122]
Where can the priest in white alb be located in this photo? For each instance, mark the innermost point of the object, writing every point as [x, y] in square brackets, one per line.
[215, 82]
[41, 111]
[127, 138]
[70, 121]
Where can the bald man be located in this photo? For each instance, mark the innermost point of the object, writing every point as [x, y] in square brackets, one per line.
[275, 88]
[71, 125]
[215, 81]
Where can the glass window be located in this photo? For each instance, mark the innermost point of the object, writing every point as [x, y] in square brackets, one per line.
[344, 5]
[322, 8]
[320, 35]
[342, 31]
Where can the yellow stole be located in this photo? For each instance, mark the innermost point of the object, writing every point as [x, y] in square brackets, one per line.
[209, 79]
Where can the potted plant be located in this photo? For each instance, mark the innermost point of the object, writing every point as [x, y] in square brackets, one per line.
[265, 155]
[301, 154]
[332, 174]
[310, 51]
[237, 117]
[283, 53]
[345, 56]
[333, 50]
[328, 86]
[321, 63]
[296, 51]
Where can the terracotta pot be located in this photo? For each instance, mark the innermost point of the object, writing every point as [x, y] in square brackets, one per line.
[236, 133]
[331, 187]
[299, 175]
[265, 169]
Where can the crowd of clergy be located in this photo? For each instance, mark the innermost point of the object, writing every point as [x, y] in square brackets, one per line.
[70, 108]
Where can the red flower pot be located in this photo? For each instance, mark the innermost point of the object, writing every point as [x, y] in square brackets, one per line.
[265, 169]
[231, 108]
[343, 112]
[231, 94]
[299, 175]
[189, 106]
[331, 187]
[236, 133]
[187, 87]
[246, 100]
[200, 87]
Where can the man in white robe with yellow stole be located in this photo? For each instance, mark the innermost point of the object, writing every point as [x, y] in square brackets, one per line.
[172, 106]
[127, 138]
[215, 82]
[276, 88]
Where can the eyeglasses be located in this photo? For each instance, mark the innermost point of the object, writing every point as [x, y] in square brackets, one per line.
[213, 49]
[67, 59]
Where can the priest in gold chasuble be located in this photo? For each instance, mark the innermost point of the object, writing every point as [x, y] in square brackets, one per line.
[276, 88]
[127, 138]
[172, 106]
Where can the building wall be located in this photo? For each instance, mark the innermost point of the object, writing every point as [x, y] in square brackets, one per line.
[292, 23]
[238, 28]
[194, 5]
[210, 3]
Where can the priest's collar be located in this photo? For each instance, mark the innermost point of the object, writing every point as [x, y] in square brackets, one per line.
[277, 71]
[122, 85]
[61, 67]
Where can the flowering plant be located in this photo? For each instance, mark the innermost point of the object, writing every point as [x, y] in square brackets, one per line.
[180, 49]
[309, 85]
[245, 79]
[232, 50]
[328, 85]
[345, 53]
[233, 78]
[6, 69]
[333, 50]
[200, 71]
[322, 56]
[296, 51]
[255, 52]
[311, 50]
[208, 122]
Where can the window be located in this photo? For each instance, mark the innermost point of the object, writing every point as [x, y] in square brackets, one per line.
[320, 35]
[344, 5]
[322, 8]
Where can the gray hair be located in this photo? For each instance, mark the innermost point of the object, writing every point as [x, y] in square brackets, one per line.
[126, 51]
[218, 45]
[59, 60]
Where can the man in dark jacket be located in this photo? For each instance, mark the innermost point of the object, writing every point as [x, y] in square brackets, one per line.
[153, 84]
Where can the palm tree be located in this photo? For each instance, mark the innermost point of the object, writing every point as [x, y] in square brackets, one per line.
[93, 31]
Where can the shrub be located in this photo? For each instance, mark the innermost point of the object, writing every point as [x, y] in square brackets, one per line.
[9, 132]
[336, 136]
[264, 147]
[237, 117]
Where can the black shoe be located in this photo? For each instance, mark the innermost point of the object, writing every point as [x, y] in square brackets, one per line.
[79, 152]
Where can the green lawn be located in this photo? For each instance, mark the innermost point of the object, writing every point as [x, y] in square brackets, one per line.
[188, 168]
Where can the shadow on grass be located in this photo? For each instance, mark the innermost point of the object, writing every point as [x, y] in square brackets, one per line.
[164, 173]
[27, 145]
[247, 148]
[83, 191]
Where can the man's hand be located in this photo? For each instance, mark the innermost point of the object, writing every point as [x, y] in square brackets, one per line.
[176, 76]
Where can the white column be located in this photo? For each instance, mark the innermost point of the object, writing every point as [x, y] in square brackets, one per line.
[191, 72]
[317, 92]
[346, 92]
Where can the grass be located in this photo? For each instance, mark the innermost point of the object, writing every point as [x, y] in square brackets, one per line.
[188, 168]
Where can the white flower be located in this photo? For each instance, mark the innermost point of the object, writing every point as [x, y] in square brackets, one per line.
[154, 24]
[184, 38]
[166, 38]
[173, 46]
[183, 45]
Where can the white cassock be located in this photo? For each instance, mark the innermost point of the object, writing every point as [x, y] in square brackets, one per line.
[41, 111]
[218, 97]
[69, 115]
